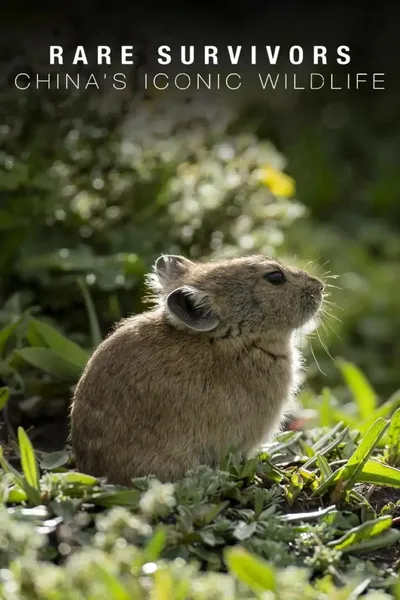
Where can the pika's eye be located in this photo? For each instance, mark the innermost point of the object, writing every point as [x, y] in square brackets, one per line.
[275, 277]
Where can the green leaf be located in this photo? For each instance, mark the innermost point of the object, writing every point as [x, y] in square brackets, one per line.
[394, 438]
[396, 591]
[244, 530]
[361, 454]
[345, 417]
[128, 498]
[251, 570]
[34, 338]
[282, 442]
[75, 477]
[54, 460]
[362, 532]
[29, 463]
[31, 493]
[324, 467]
[91, 311]
[308, 450]
[4, 396]
[155, 546]
[68, 350]
[49, 361]
[387, 408]
[379, 474]
[328, 448]
[10, 469]
[325, 412]
[204, 514]
[351, 470]
[293, 490]
[258, 501]
[115, 589]
[16, 495]
[388, 538]
[362, 391]
[6, 333]
[164, 588]
[321, 442]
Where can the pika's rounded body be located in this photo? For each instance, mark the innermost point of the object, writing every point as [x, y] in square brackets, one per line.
[180, 385]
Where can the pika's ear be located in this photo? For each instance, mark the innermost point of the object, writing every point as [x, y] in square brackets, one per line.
[191, 308]
[168, 267]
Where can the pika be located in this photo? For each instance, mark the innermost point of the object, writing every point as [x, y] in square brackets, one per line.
[211, 366]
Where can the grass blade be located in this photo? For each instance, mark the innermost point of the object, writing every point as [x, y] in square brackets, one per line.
[354, 466]
[324, 467]
[30, 467]
[155, 546]
[49, 361]
[4, 396]
[10, 469]
[386, 409]
[394, 439]
[57, 342]
[360, 456]
[95, 331]
[363, 393]
[251, 570]
[327, 436]
[31, 493]
[388, 538]
[111, 582]
[7, 332]
[379, 474]
[325, 411]
[129, 498]
[362, 532]
[334, 444]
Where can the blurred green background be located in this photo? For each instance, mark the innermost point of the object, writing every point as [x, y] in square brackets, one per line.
[88, 203]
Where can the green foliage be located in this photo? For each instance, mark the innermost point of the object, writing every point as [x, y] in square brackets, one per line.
[28, 460]
[87, 209]
[393, 456]
[87, 204]
[112, 193]
[363, 394]
[360, 412]
[290, 522]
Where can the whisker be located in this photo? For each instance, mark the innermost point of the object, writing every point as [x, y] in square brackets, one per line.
[327, 315]
[325, 309]
[329, 303]
[332, 316]
[315, 359]
[325, 263]
[324, 328]
[325, 347]
[334, 331]
[312, 262]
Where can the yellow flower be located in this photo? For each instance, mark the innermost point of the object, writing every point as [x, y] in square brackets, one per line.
[279, 183]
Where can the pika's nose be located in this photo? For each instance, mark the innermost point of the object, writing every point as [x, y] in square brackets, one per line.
[317, 283]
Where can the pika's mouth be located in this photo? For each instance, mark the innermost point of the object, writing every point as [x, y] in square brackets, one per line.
[311, 302]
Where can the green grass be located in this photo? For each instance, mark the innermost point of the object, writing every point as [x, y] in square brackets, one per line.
[315, 512]
[315, 515]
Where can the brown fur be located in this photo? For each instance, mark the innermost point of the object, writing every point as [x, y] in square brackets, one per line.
[212, 366]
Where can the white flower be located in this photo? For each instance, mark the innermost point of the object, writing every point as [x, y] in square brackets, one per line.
[158, 500]
[377, 595]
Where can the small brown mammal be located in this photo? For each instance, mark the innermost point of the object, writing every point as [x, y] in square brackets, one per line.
[212, 366]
